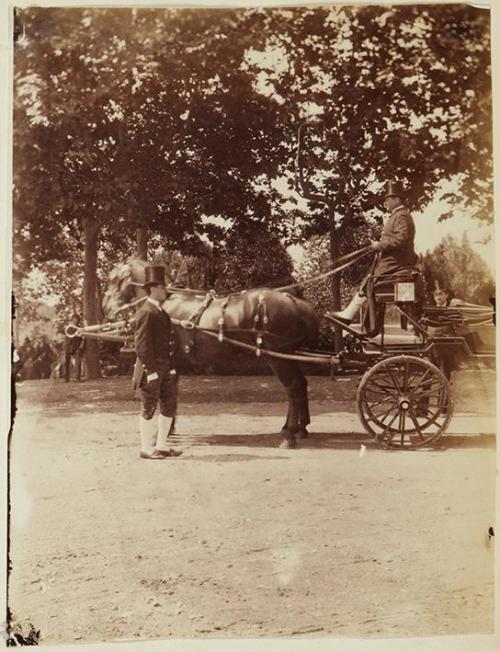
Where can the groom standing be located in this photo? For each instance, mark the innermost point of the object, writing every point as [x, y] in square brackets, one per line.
[154, 371]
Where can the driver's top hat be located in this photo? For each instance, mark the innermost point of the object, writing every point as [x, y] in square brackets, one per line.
[394, 190]
[155, 275]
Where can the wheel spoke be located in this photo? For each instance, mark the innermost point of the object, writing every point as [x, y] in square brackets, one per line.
[383, 386]
[414, 375]
[376, 404]
[380, 418]
[380, 392]
[394, 380]
[425, 408]
[414, 418]
[430, 392]
[405, 375]
[386, 430]
[402, 418]
[422, 378]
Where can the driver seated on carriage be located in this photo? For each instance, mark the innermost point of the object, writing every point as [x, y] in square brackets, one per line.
[395, 260]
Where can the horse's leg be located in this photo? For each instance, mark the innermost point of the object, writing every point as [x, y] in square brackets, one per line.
[295, 384]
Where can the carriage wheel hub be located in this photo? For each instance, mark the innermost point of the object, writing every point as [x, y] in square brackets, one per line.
[404, 404]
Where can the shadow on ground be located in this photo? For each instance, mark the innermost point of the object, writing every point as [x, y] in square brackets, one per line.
[335, 441]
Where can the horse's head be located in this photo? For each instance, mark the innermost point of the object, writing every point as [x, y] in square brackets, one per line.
[123, 282]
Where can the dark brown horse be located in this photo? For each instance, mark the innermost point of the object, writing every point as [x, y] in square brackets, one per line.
[263, 318]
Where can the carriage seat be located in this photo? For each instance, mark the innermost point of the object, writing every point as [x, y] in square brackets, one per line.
[435, 316]
[404, 287]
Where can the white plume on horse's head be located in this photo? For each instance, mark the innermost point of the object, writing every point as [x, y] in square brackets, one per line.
[123, 281]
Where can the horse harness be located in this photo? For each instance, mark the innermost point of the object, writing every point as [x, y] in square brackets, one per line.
[194, 320]
[260, 321]
[260, 327]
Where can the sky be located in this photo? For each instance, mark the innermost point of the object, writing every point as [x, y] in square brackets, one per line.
[430, 232]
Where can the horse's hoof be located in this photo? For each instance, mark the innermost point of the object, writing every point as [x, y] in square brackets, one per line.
[286, 443]
[303, 434]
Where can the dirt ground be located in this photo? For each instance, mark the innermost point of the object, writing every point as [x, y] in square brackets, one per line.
[237, 538]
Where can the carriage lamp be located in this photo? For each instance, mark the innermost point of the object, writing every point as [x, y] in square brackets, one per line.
[404, 291]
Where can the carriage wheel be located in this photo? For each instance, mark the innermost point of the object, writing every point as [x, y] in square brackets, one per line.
[404, 402]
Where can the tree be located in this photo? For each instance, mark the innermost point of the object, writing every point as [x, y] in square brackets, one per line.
[376, 119]
[455, 265]
[321, 294]
[111, 147]
[61, 147]
[354, 68]
[196, 272]
[127, 120]
[252, 256]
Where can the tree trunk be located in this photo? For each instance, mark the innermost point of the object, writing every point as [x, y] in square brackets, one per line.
[100, 315]
[141, 238]
[335, 279]
[90, 305]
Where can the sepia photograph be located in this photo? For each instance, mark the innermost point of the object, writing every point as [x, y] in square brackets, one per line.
[253, 335]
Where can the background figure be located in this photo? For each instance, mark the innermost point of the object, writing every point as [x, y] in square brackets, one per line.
[17, 363]
[26, 355]
[58, 346]
[46, 358]
[36, 358]
[155, 371]
[74, 350]
[448, 357]
[443, 296]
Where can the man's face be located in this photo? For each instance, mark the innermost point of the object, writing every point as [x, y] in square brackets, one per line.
[158, 292]
[440, 298]
[391, 202]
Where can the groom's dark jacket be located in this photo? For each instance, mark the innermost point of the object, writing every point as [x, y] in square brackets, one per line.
[153, 342]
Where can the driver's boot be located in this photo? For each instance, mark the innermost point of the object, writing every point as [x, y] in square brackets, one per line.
[348, 314]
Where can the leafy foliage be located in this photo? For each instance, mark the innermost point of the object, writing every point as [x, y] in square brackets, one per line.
[252, 257]
[196, 272]
[456, 266]
[394, 103]
[172, 118]
[317, 261]
[162, 116]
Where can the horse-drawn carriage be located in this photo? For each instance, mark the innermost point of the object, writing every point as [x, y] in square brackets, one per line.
[403, 400]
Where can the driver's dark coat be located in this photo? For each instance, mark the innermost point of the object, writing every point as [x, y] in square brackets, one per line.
[397, 252]
[153, 345]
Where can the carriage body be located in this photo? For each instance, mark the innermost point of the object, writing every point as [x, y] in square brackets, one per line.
[404, 398]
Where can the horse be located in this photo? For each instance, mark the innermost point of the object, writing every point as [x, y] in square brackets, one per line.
[260, 319]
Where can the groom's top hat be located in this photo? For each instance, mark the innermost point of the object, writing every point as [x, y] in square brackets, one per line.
[155, 275]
